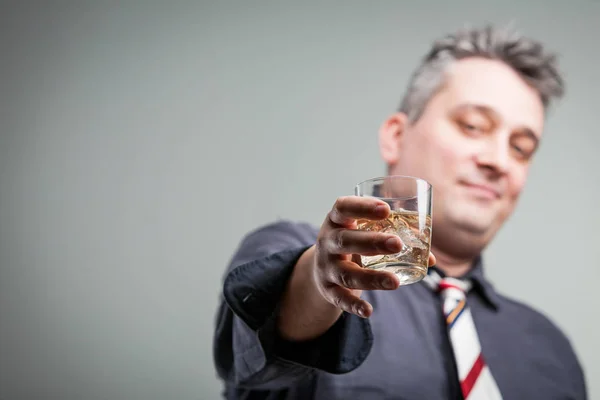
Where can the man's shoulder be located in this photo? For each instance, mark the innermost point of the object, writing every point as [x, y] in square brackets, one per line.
[535, 321]
[298, 230]
[272, 238]
[286, 225]
[539, 331]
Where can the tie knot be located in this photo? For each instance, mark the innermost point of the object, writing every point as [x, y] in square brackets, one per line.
[452, 283]
[453, 288]
[448, 287]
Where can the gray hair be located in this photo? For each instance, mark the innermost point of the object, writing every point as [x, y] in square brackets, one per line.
[525, 55]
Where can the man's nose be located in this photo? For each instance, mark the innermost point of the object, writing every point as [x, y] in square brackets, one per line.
[494, 156]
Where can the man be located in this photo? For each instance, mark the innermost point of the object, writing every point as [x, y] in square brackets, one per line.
[297, 320]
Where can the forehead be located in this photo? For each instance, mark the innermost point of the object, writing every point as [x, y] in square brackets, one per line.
[495, 85]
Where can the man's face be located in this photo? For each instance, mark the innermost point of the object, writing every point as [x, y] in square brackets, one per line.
[473, 143]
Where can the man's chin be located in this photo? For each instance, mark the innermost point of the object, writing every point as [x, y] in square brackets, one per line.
[474, 224]
[462, 238]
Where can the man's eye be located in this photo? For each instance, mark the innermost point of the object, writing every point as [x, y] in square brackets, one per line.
[522, 152]
[470, 128]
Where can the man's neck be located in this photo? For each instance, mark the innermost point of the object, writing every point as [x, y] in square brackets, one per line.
[451, 265]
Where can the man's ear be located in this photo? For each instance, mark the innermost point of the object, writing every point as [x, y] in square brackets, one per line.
[391, 134]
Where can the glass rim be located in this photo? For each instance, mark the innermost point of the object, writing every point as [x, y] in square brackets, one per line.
[382, 178]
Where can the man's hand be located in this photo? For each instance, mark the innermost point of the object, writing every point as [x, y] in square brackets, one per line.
[328, 277]
[338, 273]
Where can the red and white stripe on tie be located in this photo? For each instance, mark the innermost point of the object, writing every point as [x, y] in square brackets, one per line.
[476, 380]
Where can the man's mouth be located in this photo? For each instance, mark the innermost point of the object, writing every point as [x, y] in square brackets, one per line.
[483, 191]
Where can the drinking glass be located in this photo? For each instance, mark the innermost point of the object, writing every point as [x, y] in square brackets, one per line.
[409, 199]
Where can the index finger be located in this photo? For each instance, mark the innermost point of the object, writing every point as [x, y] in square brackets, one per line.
[349, 208]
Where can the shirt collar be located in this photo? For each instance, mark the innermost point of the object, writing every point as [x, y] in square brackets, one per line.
[481, 285]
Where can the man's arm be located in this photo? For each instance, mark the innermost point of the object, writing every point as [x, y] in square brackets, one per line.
[249, 351]
[295, 297]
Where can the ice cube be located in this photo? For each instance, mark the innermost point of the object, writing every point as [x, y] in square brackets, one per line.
[409, 239]
[383, 226]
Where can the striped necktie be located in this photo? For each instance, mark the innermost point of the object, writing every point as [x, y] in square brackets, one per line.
[476, 380]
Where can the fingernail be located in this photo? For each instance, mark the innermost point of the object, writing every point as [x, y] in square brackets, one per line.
[388, 283]
[393, 244]
[361, 311]
[381, 209]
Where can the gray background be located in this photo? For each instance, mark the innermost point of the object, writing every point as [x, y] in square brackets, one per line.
[141, 140]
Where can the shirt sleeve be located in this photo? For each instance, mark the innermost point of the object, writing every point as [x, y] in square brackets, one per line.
[577, 374]
[248, 351]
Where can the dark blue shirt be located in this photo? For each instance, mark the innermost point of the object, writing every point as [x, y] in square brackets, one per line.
[401, 352]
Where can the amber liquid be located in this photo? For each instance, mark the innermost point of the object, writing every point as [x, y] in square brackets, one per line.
[414, 230]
